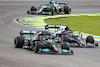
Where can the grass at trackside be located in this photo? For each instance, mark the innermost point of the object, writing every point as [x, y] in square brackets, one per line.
[87, 24]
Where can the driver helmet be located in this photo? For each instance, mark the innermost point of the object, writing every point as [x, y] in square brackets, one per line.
[67, 28]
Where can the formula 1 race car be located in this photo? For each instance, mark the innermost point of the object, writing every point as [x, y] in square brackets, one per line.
[73, 39]
[42, 42]
[51, 8]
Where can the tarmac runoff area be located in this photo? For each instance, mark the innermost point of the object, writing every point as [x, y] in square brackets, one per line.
[13, 57]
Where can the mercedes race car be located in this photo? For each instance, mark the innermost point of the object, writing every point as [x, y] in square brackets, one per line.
[73, 39]
[51, 8]
[42, 42]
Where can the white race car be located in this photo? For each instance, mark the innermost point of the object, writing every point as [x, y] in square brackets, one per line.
[74, 40]
[51, 8]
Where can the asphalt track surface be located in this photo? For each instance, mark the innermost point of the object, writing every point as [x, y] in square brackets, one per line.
[13, 57]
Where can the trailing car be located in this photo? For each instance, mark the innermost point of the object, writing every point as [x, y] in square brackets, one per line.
[42, 42]
[52, 8]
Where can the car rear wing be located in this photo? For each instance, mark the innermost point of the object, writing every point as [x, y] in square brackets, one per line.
[52, 26]
[62, 2]
[27, 32]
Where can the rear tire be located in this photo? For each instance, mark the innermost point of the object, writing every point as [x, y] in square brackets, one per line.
[65, 38]
[90, 39]
[33, 8]
[67, 9]
[18, 42]
[52, 10]
[96, 44]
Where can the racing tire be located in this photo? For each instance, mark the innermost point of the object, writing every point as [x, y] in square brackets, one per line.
[67, 9]
[66, 45]
[18, 42]
[90, 39]
[65, 38]
[33, 8]
[37, 46]
[52, 10]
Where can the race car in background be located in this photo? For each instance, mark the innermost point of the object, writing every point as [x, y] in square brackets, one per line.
[42, 42]
[52, 8]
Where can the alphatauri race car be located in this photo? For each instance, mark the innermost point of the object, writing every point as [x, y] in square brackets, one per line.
[73, 39]
[42, 42]
[52, 8]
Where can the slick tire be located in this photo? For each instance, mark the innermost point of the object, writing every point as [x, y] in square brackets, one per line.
[67, 9]
[52, 10]
[37, 46]
[18, 42]
[33, 8]
[90, 39]
[65, 38]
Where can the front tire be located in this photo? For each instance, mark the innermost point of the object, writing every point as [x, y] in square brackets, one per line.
[33, 8]
[18, 42]
[37, 46]
[65, 38]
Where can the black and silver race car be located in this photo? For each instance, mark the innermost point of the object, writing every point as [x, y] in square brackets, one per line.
[42, 42]
[52, 8]
[73, 39]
